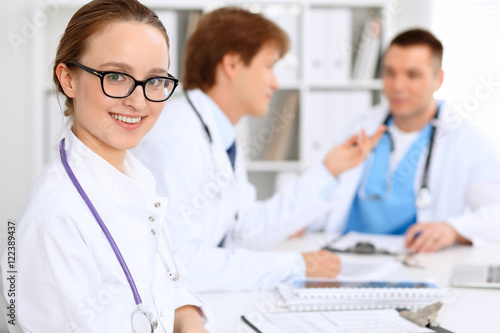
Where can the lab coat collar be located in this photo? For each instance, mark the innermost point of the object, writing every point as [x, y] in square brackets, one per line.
[135, 190]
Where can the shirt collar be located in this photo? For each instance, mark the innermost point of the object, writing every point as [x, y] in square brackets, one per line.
[225, 128]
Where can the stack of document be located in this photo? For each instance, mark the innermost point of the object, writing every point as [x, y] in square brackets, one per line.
[317, 295]
[366, 321]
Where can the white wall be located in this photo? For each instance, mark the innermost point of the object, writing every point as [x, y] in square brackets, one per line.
[16, 168]
[16, 135]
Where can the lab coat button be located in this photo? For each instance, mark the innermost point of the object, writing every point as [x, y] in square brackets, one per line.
[157, 205]
[152, 219]
[153, 231]
[161, 313]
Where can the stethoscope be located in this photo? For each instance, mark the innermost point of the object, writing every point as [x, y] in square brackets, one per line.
[140, 319]
[205, 127]
[424, 198]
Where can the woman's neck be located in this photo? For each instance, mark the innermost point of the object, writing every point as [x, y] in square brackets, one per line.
[113, 156]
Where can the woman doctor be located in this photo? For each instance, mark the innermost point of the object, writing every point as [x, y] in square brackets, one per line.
[93, 254]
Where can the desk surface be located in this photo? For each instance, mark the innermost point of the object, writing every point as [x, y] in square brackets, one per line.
[464, 310]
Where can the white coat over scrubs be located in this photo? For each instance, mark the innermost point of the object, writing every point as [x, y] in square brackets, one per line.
[68, 277]
[206, 195]
[464, 179]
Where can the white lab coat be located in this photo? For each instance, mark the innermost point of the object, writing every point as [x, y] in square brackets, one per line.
[464, 179]
[205, 195]
[68, 277]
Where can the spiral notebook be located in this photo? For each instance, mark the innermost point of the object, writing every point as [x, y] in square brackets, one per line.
[321, 295]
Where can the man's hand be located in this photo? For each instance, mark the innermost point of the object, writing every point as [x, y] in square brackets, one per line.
[188, 320]
[352, 152]
[430, 237]
[322, 263]
[299, 233]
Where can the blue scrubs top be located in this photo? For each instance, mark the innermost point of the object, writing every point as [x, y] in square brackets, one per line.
[385, 201]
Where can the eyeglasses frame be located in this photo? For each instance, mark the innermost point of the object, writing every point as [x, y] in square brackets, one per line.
[102, 74]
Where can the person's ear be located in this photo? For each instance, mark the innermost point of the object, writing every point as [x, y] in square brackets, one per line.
[66, 79]
[230, 64]
[440, 78]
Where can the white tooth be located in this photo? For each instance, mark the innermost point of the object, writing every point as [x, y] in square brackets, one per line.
[127, 120]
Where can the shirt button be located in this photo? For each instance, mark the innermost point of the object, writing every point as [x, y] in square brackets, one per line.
[157, 205]
[153, 231]
[152, 219]
[161, 313]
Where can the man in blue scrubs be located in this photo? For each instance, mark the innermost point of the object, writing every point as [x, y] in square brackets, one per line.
[432, 176]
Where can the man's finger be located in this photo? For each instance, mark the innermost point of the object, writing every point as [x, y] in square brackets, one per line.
[376, 137]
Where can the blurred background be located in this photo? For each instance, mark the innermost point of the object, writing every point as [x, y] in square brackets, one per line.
[318, 107]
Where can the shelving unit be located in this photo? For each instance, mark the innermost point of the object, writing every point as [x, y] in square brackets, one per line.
[320, 125]
[316, 126]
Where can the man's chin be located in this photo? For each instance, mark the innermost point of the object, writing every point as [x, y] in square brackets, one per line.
[401, 110]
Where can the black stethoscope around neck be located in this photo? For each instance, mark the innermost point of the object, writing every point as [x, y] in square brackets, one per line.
[424, 198]
[205, 127]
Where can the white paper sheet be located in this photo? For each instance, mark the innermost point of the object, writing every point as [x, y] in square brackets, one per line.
[365, 321]
[366, 268]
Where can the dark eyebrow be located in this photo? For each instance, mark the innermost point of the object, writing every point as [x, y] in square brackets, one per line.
[127, 68]
[120, 65]
[159, 70]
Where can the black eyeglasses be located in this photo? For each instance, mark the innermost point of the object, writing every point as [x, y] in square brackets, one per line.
[121, 85]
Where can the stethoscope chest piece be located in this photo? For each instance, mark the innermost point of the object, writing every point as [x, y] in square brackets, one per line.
[143, 321]
[424, 199]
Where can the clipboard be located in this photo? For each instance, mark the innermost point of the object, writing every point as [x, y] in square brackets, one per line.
[253, 326]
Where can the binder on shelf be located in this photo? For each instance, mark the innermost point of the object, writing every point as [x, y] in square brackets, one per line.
[287, 18]
[327, 116]
[329, 37]
[192, 22]
[368, 51]
[280, 144]
[170, 21]
[322, 295]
